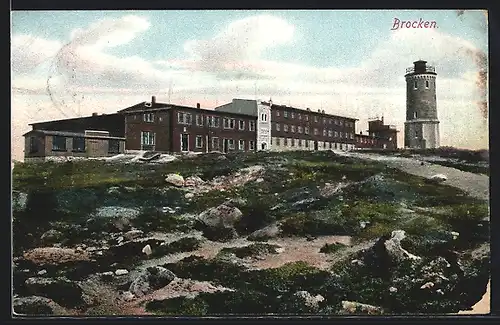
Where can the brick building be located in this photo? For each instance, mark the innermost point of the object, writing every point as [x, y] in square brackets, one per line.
[164, 127]
[380, 136]
[281, 127]
[241, 125]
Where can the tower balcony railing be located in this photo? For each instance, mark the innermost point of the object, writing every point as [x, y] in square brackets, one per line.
[428, 68]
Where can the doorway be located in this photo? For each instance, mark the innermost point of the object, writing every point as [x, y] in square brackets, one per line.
[315, 145]
[225, 146]
[264, 146]
[184, 142]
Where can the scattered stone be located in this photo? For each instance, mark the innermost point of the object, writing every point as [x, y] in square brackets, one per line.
[438, 178]
[133, 234]
[120, 239]
[310, 301]
[36, 306]
[121, 272]
[153, 278]
[394, 248]
[147, 250]
[107, 275]
[175, 179]
[63, 291]
[393, 289]
[189, 195]
[259, 180]
[427, 285]
[51, 236]
[42, 272]
[351, 307]
[128, 296]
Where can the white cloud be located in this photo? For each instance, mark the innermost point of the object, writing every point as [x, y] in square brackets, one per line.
[28, 52]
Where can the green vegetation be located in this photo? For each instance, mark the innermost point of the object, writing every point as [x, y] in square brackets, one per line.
[185, 244]
[331, 248]
[250, 250]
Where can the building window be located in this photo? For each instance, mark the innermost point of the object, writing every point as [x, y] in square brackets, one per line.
[199, 141]
[230, 143]
[306, 130]
[324, 132]
[315, 119]
[251, 125]
[341, 123]
[285, 141]
[292, 142]
[292, 115]
[241, 125]
[147, 138]
[278, 141]
[307, 117]
[199, 120]
[415, 85]
[300, 129]
[228, 123]
[285, 114]
[241, 145]
[307, 143]
[213, 121]
[184, 118]
[300, 143]
[414, 114]
[79, 144]
[324, 120]
[293, 128]
[351, 136]
[285, 127]
[58, 143]
[300, 116]
[113, 146]
[215, 143]
[263, 117]
[427, 84]
[329, 121]
[330, 133]
[277, 126]
[148, 117]
[251, 145]
[33, 145]
[315, 130]
[277, 113]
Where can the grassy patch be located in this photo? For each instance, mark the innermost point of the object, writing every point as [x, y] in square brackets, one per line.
[256, 249]
[185, 244]
[331, 248]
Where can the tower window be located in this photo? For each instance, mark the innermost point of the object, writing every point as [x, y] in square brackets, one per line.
[414, 85]
[414, 114]
[427, 84]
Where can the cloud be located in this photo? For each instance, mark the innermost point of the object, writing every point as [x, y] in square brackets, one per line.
[28, 52]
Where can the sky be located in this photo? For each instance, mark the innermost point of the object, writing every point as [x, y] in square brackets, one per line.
[349, 62]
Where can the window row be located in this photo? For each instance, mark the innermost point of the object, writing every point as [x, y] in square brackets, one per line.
[78, 144]
[215, 122]
[301, 143]
[325, 120]
[230, 143]
[305, 130]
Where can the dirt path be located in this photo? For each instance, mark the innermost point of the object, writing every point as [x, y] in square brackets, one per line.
[476, 185]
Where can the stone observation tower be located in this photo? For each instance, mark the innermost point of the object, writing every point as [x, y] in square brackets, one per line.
[422, 124]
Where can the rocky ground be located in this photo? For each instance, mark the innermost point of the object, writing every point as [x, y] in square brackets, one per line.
[256, 233]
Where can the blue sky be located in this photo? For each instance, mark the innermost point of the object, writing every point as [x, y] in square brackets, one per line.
[326, 36]
[345, 62]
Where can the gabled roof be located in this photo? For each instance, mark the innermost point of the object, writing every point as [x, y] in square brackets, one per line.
[142, 107]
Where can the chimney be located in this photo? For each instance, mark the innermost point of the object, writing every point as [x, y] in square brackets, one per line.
[198, 105]
[323, 111]
[308, 109]
[94, 114]
[153, 100]
[319, 111]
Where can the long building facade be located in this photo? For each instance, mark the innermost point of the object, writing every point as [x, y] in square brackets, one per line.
[241, 125]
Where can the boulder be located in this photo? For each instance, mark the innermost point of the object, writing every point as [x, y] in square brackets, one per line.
[270, 231]
[438, 178]
[51, 236]
[133, 234]
[153, 278]
[352, 307]
[63, 291]
[223, 216]
[175, 179]
[36, 306]
[394, 248]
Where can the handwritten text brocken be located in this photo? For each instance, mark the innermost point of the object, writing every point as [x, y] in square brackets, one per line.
[399, 24]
